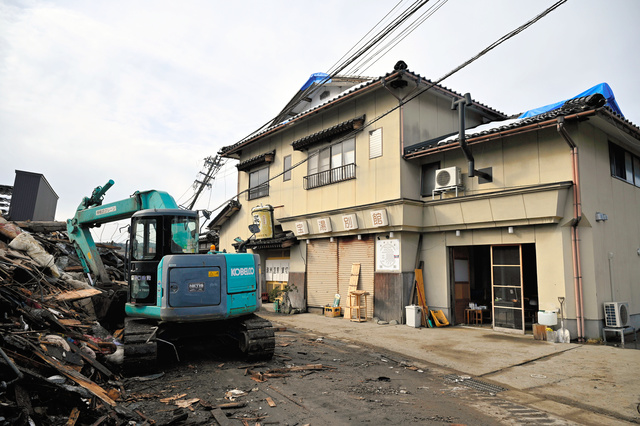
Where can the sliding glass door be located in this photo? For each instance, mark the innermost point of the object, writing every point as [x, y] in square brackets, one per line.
[506, 288]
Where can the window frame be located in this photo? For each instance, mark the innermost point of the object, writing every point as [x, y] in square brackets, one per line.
[261, 188]
[286, 168]
[427, 185]
[331, 164]
[624, 165]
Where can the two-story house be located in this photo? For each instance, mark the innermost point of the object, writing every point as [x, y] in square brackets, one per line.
[518, 213]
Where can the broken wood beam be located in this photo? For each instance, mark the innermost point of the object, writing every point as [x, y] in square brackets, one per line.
[221, 418]
[69, 296]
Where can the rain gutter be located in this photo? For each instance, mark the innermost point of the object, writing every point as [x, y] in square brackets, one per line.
[575, 233]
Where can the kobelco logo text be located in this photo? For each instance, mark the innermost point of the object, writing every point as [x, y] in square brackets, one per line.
[237, 272]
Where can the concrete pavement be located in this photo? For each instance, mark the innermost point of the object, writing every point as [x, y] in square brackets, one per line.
[584, 383]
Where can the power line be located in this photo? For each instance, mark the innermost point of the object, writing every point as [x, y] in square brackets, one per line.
[337, 68]
[483, 52]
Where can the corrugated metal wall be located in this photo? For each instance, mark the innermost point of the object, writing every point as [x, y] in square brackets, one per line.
[322, 272]
[350, 251]
[33, 198]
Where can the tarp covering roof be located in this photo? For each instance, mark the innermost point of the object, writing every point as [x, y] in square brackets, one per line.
[602, 88]
[318, 77]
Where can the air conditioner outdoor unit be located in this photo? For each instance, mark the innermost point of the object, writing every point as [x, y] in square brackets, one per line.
[448, 178]
[616, 314]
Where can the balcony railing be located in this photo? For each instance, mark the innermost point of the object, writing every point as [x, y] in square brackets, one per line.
[328, 177]
[259, 191]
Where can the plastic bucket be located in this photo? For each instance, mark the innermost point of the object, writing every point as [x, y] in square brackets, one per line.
[414, 316]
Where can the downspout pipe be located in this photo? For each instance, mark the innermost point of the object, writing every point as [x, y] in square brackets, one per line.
[575, 232]
[460, 104]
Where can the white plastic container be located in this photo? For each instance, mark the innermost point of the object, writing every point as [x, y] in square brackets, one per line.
[414, 316]
[549, 318]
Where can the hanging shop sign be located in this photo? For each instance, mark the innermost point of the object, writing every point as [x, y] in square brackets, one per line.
[263, 217]
[324, 225]
[302, 228]
[349, 221]
[379, 218]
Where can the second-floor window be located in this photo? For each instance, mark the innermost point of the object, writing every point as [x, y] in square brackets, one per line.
[331, 164]
[428, 182]
[624, 165]
[258, 183]
[286, 175]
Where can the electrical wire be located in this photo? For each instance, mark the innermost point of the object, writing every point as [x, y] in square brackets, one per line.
[337, 68]
[372, 60]
[492, 46]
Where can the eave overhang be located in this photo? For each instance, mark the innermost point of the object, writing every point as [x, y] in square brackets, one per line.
[328, 134]
[258, 160]
[225, 214]
[279, 242]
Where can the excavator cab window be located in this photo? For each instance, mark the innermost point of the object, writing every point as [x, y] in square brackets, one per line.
[184, 234]
[144, 244]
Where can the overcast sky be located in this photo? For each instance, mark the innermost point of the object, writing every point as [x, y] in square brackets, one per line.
[142, 91]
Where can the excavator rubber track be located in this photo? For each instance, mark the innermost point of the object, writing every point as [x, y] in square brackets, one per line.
[257, 338]
[140, 346]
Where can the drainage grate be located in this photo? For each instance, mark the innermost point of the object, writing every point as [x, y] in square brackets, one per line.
[474, 384]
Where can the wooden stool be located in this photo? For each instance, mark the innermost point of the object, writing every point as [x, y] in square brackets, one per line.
[358, 305]
[474, 315]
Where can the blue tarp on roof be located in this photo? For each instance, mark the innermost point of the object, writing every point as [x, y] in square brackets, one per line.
[602, 88]
[318, 77]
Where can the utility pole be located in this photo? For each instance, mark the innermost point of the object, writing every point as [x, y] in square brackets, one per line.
[211, 167]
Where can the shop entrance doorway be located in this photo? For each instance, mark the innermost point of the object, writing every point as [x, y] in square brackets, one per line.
[495, 286]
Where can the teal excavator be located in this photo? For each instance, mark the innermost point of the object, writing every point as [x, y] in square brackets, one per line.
[173, 291]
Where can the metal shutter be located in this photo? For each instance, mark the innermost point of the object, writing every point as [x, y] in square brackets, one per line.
[352, 250]
[322, 272]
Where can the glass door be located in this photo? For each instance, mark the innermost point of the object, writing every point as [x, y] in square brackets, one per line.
[506, 288]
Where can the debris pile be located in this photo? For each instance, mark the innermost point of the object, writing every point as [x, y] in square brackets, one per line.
[55, 348]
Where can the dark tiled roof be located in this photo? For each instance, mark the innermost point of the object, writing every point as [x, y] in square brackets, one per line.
[282, 240]
[228, 150]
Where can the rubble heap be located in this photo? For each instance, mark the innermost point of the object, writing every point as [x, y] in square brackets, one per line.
[57, 343]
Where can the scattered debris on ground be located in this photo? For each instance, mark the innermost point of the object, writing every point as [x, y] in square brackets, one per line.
[55, 351]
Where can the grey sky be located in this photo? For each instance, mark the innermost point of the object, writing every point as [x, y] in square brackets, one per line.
[141, 92]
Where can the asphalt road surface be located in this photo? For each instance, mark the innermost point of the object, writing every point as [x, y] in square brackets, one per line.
[315, 381]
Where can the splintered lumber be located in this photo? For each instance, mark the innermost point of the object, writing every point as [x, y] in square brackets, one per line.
[288, 397]
[301, 368]
[78, 378]
[73, 417]
[270, 401]
[227, 405]
[75, 294]
[221, 418]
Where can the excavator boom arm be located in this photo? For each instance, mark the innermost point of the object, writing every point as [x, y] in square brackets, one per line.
[91, 213]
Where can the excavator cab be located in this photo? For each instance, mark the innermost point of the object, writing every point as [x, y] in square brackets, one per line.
[155, 234]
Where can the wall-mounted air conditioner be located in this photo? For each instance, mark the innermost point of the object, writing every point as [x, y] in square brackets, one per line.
[448, 178]
[616, 314]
